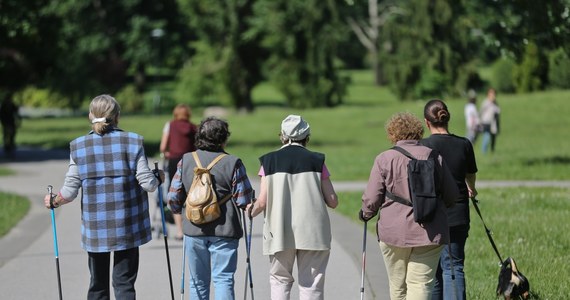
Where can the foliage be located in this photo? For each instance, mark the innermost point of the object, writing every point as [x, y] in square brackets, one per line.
[529, 74]
[14, 208]
[432, 84]
[228, 60]
[131, 100]
[199, 81]
[559, 69]
[522, 221]
[80, 48]
[32, 96]
[430, 43]
[302, 37]
[502, 75]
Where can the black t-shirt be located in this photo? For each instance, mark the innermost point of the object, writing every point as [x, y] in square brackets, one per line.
[460, 159]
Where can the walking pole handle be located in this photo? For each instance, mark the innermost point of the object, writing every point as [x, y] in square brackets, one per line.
[55, 248]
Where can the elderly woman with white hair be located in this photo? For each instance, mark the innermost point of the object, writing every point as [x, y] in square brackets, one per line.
[110, 169]
[295, 192]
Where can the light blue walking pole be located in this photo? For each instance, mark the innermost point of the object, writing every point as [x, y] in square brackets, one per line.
[56, 250]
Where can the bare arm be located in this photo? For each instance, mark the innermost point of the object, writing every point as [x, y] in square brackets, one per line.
[331, 199]
[470, 180]
[259, 205]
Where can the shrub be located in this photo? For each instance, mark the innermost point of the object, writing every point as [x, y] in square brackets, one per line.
[131, 100]
[502, 75]
[559, 69]
[32, 96]
[200, 81]
[528, 75]
[432, 83]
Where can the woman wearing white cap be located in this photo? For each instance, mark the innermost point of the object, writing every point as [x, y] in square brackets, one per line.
[295, 192]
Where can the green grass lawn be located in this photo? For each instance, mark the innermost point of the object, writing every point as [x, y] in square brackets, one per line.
[530, 146]
[529, 224]
[13, 209]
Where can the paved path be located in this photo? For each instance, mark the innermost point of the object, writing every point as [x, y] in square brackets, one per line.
[27, 263]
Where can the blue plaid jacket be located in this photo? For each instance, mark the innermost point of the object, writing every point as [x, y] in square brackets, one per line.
[115, 212]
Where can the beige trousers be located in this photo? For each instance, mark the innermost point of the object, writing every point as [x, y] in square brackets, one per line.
[411, 271]
[311, 266]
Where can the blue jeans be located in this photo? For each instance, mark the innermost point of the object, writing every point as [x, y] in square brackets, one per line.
[214, 259]
[445, 287]
[489, 140]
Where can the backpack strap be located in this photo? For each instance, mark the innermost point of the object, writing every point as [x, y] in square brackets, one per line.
[209, 167]
[398, 199]
[388, 193]
[403, 151]
[196, 159]
[216, 160]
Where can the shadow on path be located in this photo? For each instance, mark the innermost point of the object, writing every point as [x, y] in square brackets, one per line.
[27, 154]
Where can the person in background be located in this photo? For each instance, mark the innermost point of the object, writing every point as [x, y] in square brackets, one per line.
[295, 192]
[10, 119]
[460, 158]
[110, 167]
[211, 248]
[472, 123]
[490, 113]
[178, 137]
[410, 250]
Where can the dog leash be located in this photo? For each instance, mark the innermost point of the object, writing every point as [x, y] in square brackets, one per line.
[487, 230]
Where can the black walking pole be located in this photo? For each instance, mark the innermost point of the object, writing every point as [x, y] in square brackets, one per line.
[363, 262]
[249, 253]
[161, 204]
[55, 248]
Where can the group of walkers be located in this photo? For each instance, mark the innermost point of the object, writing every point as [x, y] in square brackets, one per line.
[111, 168]
[485, 120]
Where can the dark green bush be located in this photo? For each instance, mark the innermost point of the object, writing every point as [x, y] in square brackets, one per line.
[502, 75]
[432, 83]
[131, 101]
[529, 73]
[559, 69]
[32, 96]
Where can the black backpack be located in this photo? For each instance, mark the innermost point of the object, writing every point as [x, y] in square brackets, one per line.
[423, 185]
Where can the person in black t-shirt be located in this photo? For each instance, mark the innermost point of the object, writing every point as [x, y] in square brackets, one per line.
[458, 154]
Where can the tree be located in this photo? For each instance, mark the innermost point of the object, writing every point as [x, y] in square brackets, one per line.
[82, 47]
[302, 37]
[225, 56]
[26, 42]
[368, 33]
[431, 48]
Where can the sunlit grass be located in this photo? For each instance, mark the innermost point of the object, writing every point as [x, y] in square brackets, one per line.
[529, 224]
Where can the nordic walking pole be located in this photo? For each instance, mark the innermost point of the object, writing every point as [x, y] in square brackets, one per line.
[183, 267]
[249, 250]
[246, 255]
[363, 262]
[55, 248]
[161, 204]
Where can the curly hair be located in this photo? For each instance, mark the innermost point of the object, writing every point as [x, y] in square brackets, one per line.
[212, 134]
[404, 126]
